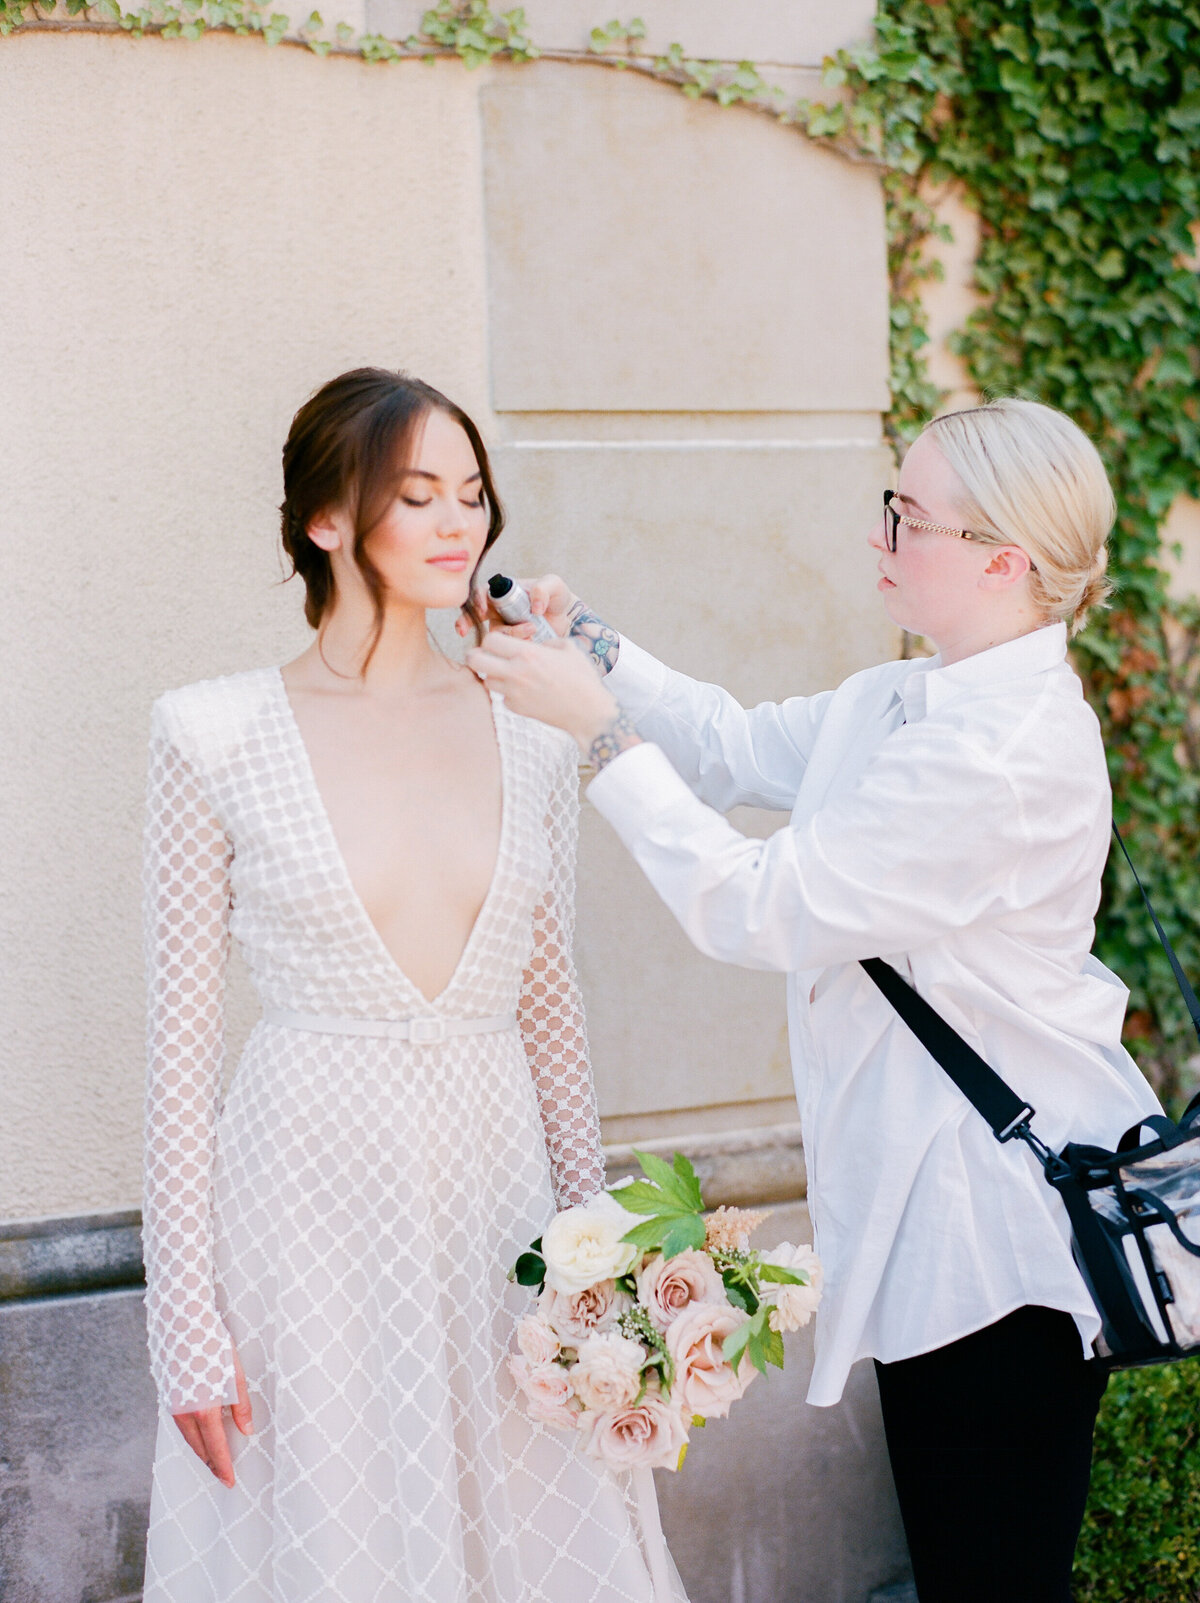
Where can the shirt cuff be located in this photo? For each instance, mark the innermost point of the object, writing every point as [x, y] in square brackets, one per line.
[637, 680]
[633, 789]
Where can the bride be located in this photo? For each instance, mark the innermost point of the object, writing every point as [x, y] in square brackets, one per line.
[327, 1241]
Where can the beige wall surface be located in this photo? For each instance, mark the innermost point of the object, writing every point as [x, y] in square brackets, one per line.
[790, 33]
[204, 232]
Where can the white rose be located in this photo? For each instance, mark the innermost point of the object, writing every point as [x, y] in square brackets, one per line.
[608, 1372]
[583, 1245]
[793, 1306]
[537, 1341]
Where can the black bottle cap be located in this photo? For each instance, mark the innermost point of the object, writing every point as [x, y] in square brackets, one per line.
[499, 585]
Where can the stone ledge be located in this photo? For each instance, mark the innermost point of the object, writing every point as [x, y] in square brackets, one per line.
[65, 1256]
[103, 1251]
[736, 1168]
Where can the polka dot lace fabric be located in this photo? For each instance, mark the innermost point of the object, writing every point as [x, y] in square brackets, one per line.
[347, 1214]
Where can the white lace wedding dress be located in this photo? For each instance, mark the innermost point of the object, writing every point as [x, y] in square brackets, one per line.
[349, 1212]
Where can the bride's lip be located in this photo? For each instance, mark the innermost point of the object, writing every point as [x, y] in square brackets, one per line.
[885, 583]
[455, 560]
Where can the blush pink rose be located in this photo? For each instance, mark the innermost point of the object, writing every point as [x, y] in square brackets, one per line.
[652, 1434]
[608, 1372]
[538, 1343]
[547, 1390]
[667, 1285]
[574, 1316]
[705, 1382]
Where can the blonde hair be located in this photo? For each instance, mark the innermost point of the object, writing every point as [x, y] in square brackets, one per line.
[1033, 479]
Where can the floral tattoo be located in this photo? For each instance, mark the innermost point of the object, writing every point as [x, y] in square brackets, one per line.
[611, 742]
[593, 637]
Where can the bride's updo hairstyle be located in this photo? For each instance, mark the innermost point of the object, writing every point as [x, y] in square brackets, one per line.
[347, 448]
[1032, 478]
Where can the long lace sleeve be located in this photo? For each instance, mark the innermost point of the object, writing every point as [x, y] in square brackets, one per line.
[187, 902]
[551, 1014]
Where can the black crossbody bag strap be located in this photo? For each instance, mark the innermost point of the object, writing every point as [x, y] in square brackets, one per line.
[977, 1080]
[1008, 1116]
[983, 1088]
[1189, 996]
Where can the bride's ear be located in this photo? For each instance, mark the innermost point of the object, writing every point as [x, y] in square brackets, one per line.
[325, 531]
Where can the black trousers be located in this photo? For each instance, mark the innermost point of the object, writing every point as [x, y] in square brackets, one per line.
[990, 1440]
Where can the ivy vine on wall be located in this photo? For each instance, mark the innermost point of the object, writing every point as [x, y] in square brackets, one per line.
[1073, 128]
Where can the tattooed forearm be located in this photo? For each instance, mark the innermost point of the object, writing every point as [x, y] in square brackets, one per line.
[593, 637]
[612, 741]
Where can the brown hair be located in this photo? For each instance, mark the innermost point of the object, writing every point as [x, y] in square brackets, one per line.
[346, 448]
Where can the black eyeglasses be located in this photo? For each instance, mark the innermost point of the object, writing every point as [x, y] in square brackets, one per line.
[892, 519]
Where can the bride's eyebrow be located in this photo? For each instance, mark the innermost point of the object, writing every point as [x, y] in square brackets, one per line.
[436, 478]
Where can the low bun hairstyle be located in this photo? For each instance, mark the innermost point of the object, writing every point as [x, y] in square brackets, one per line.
[347, 447]
[1032, 478]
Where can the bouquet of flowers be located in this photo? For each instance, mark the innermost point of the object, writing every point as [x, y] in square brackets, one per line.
[640, 1334]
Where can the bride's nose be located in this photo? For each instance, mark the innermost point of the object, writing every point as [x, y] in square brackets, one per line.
[453, 520]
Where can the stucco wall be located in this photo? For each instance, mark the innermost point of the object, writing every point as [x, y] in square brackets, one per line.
[201, 234]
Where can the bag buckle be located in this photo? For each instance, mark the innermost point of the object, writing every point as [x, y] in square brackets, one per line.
[427, 1032]
[1019, 1126]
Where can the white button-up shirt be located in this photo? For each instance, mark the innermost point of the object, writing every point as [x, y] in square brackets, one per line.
[955, 821]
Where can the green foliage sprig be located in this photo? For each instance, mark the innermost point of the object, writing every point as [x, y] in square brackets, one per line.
[669, 1198]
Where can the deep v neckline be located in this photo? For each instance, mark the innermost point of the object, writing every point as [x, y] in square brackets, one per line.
[354, 900]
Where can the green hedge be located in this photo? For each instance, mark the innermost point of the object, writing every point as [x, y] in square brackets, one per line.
[1140, 1538]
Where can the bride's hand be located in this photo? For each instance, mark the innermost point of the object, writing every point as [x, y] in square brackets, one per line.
[549, 598]
[204, 1429]
[555, 683]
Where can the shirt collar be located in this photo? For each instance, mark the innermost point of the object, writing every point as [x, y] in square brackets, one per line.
[930, 684]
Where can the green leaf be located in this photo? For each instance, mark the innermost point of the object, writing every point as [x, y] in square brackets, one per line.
[780, 1277]
[736, 1342]
[765, 1346]
[664, 1176]
[649, 1233]
[531, 1270]
[643, 1198]
[739, 1296]
[682, 1234]
[687, 1179]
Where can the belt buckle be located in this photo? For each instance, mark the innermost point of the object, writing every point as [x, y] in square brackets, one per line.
[426, 1032]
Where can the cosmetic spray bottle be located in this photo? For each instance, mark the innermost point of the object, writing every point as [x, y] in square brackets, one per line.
[511, 601]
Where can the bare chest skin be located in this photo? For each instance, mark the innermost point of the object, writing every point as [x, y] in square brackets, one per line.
[412, 790]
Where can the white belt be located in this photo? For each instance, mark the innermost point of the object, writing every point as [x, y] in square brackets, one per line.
[421, 1032]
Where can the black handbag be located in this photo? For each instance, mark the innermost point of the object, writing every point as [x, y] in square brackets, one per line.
[1134, 1213]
